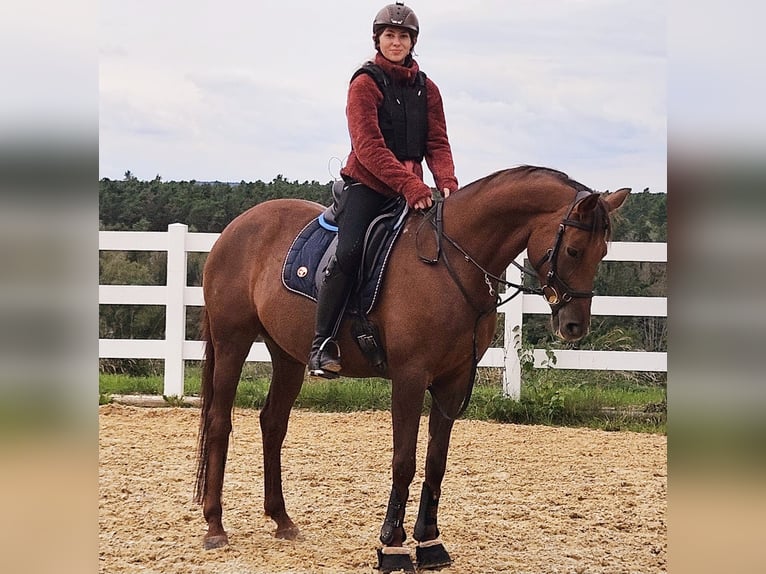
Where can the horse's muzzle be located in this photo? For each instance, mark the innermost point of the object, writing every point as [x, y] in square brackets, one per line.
[567, 325]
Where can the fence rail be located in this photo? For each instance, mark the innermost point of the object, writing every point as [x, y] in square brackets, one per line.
[176, 295]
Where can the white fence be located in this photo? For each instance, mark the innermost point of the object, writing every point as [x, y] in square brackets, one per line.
[177, 295]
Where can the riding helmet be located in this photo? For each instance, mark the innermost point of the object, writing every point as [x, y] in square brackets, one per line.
[397, 15]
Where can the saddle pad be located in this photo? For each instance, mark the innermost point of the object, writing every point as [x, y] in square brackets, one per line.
[310, 249]
[303, 257]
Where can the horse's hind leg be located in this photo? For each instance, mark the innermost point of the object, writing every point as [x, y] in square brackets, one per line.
[286, 381]
[226, 361]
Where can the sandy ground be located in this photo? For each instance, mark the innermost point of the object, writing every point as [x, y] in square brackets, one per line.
[517, 499]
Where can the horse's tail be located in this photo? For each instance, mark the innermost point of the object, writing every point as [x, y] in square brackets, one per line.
[206, 399]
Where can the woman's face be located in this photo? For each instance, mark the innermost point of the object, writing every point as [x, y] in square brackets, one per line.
[395, 44]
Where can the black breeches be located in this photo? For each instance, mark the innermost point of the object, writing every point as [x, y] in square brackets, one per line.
[359, 206]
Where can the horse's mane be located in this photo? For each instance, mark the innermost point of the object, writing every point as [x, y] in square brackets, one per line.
[526, 170]
[602, 223]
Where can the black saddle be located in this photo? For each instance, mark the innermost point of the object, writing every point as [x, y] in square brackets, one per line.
[315, 244]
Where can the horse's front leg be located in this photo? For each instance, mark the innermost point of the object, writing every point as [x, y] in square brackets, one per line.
[406, 406]
[430, 551]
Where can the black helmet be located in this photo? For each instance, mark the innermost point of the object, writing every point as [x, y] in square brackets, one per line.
[397, 15]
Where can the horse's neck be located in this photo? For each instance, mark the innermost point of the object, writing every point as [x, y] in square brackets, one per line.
[492, 226]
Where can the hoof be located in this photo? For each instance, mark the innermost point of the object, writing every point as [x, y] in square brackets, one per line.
[289, 533]
[398, 562]
[217, 541]
[432, 557]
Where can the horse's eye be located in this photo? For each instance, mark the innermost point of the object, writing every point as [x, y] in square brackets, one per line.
[572, 252]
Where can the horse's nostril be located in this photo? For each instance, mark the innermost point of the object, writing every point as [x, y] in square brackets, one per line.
[574, 330]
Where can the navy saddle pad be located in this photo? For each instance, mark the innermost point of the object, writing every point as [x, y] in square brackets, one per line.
[315, 244]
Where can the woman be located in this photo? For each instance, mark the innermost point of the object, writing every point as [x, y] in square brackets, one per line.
[395, 120]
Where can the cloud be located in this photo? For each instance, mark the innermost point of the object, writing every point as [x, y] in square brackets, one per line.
[250, 91]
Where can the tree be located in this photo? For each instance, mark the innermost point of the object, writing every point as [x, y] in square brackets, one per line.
[132, 204]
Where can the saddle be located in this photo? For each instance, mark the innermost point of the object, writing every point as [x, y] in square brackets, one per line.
[314, 246]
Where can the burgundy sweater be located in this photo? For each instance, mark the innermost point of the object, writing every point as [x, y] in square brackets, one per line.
[372, 163]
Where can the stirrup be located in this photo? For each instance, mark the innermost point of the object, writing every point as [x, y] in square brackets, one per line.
[323, 363]
[323, 374]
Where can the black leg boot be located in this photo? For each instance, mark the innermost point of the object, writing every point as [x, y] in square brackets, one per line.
[324, 360]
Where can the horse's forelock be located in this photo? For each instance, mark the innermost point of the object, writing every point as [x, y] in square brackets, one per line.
[602, 220]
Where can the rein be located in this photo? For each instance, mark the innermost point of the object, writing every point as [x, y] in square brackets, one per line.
[435, 216]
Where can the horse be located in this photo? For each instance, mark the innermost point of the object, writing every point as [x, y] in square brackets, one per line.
[436, 317]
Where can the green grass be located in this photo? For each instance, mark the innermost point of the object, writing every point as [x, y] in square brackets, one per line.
[609, 401]
[586, 405]
[117, 384]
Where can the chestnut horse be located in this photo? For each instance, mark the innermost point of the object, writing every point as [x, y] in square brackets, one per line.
[435, 321]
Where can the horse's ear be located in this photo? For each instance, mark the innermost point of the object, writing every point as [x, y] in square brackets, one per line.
[614, 200]
[587, 204]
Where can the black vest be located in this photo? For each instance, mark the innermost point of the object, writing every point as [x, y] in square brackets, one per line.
[403, 116]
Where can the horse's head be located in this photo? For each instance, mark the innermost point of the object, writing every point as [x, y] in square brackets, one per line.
[566, 252]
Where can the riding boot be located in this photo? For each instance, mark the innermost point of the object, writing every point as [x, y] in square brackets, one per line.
[324, 360]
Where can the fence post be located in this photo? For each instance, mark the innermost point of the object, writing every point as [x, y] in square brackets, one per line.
[514, 316]
[175, 311]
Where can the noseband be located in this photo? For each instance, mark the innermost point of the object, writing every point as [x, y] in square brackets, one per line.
[557, 298]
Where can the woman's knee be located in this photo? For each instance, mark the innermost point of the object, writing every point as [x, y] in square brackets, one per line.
[348, 257]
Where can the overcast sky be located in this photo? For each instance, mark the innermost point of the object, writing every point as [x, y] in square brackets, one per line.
[240, 90]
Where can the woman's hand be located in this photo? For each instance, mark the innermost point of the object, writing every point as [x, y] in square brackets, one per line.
[427, 202]
[424, 203]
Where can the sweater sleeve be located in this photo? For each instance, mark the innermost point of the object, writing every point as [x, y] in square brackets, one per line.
[438, 150]
[364, 98]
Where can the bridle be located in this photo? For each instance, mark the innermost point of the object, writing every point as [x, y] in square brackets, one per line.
[556, 298]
